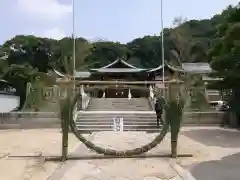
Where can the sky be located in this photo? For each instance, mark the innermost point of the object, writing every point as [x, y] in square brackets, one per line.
[113, 20]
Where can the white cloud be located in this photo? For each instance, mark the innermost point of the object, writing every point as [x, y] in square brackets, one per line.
[44, 9]
[54, 33]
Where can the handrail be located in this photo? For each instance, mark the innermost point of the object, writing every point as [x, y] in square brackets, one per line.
[85, 99]
[129, 94]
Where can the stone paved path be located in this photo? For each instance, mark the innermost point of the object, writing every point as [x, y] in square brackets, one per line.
[119, 169]
[216, 155]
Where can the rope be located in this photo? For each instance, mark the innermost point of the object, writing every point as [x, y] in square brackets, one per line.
[114, 152]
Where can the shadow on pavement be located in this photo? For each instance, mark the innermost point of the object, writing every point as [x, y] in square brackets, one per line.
[215, 137]
[225, 169]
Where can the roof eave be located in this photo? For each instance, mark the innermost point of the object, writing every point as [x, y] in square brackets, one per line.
[170, 67]
[99, 71]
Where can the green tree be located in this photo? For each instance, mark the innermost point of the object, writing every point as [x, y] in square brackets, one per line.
[18, 76]
[103, 53]
[29, 50]
[186, 41]
[225, 57]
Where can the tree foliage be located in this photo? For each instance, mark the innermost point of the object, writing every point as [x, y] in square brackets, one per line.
[186, 41]
[225, 57]
[225, 53]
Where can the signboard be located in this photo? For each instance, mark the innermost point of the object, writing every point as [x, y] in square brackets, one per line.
[118, 124]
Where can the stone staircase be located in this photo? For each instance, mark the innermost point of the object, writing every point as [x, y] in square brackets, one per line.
[119, 104]
[136, 113]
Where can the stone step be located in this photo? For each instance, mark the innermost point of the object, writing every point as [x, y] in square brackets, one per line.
[114, 114]
[118, 99]
[117, 114]
[120, 109]
[118, 103]
[125, 118]
[114, 107]
[150, 123]
[131, 108]
[110, 104]
[111, 126]
[91, 130]
[101, 118]
[134, 117]
[105, 119]
[153, 123]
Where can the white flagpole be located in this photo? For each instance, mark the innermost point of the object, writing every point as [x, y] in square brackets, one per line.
[74, 41]
[162, 36]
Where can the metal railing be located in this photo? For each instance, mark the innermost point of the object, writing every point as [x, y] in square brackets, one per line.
[151, 97]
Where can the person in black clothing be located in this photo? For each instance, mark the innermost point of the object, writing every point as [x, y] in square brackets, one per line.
[225, 119]
[159, 105]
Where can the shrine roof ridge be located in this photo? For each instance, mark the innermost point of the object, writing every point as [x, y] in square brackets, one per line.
[121, 61]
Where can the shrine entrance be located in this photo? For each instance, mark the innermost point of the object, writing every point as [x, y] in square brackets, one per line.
[116, 93]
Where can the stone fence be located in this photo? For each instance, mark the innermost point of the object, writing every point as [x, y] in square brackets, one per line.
[31, 120]
[203, 118]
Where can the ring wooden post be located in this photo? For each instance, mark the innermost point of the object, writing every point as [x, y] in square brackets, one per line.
[65, 142]
[66, 114]
[175, 105]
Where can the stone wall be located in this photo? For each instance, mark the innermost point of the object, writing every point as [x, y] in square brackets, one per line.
[202, 118]
[29, 120]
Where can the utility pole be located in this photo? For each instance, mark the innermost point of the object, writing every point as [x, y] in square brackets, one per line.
[74, 41]
[162, 36]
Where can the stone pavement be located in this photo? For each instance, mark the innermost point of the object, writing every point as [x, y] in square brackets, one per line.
[220, 156]
[210, 147]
